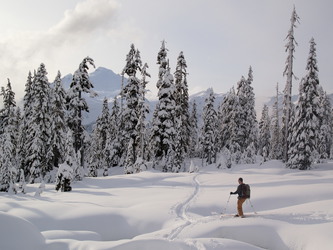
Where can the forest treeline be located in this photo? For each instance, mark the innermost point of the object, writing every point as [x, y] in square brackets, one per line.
[45, 140]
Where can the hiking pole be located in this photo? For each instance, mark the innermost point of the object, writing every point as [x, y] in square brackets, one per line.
[252, 207]
[225, 209]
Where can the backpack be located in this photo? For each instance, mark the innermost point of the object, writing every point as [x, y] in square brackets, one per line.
[246, 191]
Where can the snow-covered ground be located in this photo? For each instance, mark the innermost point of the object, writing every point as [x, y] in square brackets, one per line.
[289, 209]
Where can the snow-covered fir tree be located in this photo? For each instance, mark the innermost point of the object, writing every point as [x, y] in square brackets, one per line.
[306, 126]
[243, 125]
[326, 125]
[8, 115]
[182, 115]
[264, 142]
[8, 171]
[134, 111]
[276, 147]
[248, 123]
[38, 150]
[230, 127]
[17, 135]
[163, 127]
[72, 158]
[141, 126]
[76, 103]
[25, 129]
[236, 135]
[209, 130]
[9, 105]
[94, 161]
[225, 116]
[194, 135]
[58, 121]
[113, 150]
[97, 158]
[289, 73]
[8, 168]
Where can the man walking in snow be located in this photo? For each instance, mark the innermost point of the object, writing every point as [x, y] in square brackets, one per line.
[241, 197]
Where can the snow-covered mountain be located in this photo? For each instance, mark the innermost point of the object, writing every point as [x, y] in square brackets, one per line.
[107, 84]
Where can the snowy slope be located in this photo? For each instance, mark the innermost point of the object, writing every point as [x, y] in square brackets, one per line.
[291, 209]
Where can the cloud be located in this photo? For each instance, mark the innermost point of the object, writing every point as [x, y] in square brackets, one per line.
[86, 18]
[57, 47]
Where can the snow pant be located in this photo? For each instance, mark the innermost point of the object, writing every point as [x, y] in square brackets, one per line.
[240, 206]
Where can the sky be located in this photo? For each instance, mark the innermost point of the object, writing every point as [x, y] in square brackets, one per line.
[220, 39]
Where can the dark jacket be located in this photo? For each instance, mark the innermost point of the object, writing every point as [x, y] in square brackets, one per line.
[240, 191]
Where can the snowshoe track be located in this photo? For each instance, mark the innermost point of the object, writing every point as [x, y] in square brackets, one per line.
[181, 210]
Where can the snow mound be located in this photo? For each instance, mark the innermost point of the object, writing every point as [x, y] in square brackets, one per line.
[75, 235]
[24, 235]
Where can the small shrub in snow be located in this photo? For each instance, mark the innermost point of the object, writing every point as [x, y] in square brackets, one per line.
[140, 165]
[40, 189]
[224, 159]
[22, 184]
[64, 178]
[193, 168]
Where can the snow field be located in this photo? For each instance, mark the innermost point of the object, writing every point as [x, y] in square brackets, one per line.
[154, 210]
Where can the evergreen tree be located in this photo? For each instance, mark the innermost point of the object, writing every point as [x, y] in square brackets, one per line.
[58, 122]
[264, 134]
[94, 162]
[325, 124]
[163, 129]
[141, 126]
[164, 133]
[130, 158]
[25, 129]
[113, 150]
[7, 113]
[38, 157]
[9, 104]
[194, 136]
[99, 140]
[248, 123]
[209, 130]
[236, 134]
[243, 122]
[76, 104]
[225, 115]
[231, 126]
[287, 105]
[306, 124]
[17, 134]
[276, 147]
[8, 169]
[133, 92]
[72, 158]
[182, 112]
[38, 143]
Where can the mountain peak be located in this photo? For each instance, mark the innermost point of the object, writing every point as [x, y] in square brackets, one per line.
[105, 80]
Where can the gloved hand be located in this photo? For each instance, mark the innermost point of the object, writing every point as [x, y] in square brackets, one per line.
[231, 193]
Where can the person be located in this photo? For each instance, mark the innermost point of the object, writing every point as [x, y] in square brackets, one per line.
[241, 197]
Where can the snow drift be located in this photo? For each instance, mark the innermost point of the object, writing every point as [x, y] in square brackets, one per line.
[289, 209]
